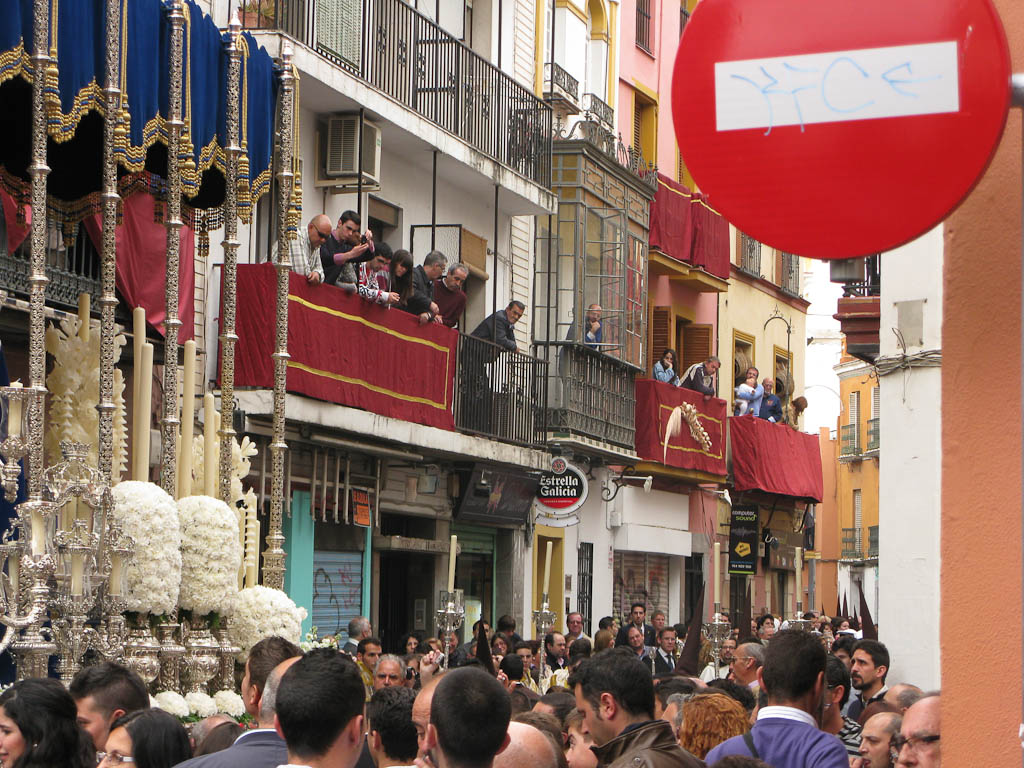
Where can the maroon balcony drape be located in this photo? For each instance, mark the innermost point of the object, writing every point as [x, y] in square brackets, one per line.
[655, 401]
[775, 458]
[684, 226]
[346, 350]
[142, 262]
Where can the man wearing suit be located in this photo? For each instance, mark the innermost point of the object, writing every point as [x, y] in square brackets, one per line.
[637, 613]
[261, 747]
[665, 656]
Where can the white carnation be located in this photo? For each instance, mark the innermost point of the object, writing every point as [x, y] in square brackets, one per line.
[211, 555]
[263, 612]
[172, 703]
[229, 702]
[200, 703]
[152, 576]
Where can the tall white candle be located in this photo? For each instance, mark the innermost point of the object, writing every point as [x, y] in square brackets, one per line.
[14, 573]
[77, 571]
[252, 549]
[798, 561]
[138, 413]
[83, 317]
[38, 533]
[146, 398]
[451, 563]
[14, 414]
[547, 569]
[718, 573]
[188, 418]
[209, 446]
[115, 573]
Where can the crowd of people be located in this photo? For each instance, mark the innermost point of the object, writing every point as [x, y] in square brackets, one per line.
[348, 257]
[779, 697]
[751, 397]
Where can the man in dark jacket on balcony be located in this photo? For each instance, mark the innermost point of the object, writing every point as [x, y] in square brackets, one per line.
[498, 327]
[423, 277]
[615, 693]
[700, 377]
[771, 406]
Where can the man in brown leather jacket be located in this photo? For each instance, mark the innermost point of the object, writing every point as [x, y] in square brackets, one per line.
[615, 693]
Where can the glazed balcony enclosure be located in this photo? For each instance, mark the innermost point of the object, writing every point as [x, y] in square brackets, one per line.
[345, 350]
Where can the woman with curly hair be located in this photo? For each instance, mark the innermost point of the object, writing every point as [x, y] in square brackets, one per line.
[39, 727]
[708, 720]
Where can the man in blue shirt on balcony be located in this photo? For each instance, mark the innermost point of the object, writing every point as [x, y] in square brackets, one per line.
[754, 397]
[787, 732]
[771, 406]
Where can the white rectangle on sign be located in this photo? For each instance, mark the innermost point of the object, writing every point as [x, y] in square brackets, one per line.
[839, 86]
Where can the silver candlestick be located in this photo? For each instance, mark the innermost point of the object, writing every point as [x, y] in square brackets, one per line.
[544, 620]
[717, 632]
[450, 616]
[798, 621]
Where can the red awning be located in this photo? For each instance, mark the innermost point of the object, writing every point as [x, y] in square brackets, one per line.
[655, 401]
[346, 350]
[685, 227]
[775, 458]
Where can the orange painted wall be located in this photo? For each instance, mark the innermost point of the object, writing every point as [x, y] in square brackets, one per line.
[981, 446]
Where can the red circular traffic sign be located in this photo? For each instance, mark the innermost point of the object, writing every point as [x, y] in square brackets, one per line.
[834, 130]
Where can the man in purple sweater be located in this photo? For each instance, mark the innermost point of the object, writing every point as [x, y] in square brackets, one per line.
[787, 733]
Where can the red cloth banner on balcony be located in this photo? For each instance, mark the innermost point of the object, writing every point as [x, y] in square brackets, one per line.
[655, 401]
[775, 458]
[687, 228]
[345, 350]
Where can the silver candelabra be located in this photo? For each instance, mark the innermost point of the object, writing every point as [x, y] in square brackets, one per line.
[717, 632]
[544, 620]
[450, 616]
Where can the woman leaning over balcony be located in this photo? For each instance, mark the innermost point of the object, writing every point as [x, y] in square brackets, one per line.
[664, 368]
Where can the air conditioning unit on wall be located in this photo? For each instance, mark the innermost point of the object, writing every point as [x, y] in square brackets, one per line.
[340, 161]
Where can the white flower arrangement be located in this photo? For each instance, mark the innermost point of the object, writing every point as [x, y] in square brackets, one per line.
[200, 704]
[263, 612]
[230, 703]
[312, 640]
[152, 576]
[211, 555]
[172, 703]
[74, 386]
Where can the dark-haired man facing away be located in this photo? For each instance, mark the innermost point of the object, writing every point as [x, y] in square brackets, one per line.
[615, 692]
[469, 717]
[319, 710]
[786, 733]
[392, 737]
[104, 692]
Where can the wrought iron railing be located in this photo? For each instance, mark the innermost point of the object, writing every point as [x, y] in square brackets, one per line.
[871, 282]
[849, 440]
[409, 57]
[643, 24]
[872, 541]
[853, 543]
[556, 77]
[874, 427]
[789, 280]
[72, 268]
[590, 394]
[750, 256]
[599, 109]
[500, 393]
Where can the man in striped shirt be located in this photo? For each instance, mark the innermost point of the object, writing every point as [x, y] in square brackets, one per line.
[304, 252]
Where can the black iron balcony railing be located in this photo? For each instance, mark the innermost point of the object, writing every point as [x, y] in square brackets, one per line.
[556, 77]
[604, 114]
[410, 58]
[789, 280]
[853, 543]
[873, 434]
[500, 393]
[590, 394]
[869, 280]
[849, 440]
[872, 541]
[750, 257]
[72, 269]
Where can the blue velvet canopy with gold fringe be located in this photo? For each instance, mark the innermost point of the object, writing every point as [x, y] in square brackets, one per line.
[75, 106]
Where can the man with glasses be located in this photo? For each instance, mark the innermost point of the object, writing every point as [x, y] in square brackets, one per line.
[918, 742]
[450, 296]
[305, 254]
[748, 659]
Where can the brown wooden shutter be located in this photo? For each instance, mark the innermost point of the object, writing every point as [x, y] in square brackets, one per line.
[778, 278]
[661, 332]
[696, 346]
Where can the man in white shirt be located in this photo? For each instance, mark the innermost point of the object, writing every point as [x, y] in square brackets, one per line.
[320, 710]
